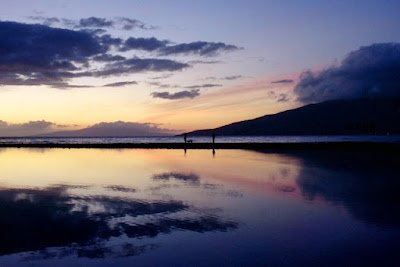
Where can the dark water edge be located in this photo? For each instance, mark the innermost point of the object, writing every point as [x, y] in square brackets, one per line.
[203, 139]
[330, 146]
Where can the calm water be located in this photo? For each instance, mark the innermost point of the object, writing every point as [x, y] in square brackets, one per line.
[164, 207]
[201, 139]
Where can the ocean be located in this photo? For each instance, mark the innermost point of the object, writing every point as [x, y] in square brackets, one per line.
[201, 139]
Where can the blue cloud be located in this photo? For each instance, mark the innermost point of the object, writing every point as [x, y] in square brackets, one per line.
[371, 71]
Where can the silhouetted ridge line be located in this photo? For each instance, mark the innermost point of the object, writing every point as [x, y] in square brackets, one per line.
[335, 117]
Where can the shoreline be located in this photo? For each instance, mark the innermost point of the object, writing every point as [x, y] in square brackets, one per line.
[346, 146]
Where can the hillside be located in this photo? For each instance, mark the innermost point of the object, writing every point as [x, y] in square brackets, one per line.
[336, 117]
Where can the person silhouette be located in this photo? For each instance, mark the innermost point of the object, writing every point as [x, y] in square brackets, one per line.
[185, 137]
[213, 137]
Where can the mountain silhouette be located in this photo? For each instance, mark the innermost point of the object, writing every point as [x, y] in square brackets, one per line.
[114, 129]
[335, 117]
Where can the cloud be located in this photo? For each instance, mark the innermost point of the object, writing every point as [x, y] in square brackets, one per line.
[227, 78]
[164, 76]
[205, 62]
[28, 128]
[38, 54]
[121, 23]
[233, 77]
[198, 48]
[283, 81]
[129, 24]
[45, 20]
[93, 22]
[162, 85]
[42, 55]
[282, 97]
[198, 86]
[136, 65]
[120, 84]
[164, 47]
[207, 85]
[108, 58]
[370, 71]
[178, 95]
[147, 44]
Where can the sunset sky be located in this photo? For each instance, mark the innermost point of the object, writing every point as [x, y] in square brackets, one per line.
[185, 65]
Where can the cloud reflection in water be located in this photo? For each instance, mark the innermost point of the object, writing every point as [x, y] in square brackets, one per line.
[39, 219]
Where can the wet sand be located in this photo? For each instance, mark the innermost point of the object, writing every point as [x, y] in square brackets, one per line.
[343, 146]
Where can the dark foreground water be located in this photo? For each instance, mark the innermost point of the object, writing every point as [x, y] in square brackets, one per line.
[164, 207]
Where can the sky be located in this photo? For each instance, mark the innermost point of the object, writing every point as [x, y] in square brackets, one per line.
[177, 66]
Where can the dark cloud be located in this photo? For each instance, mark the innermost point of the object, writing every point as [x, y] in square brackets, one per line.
[120, 84]
[135, 65]
[162, 85]
[164, 47]
[198, 48]
[205, 62]
[129, 24]
[107, 41]
[282, 97]
[196, 86]
[108, 58]
[207, 85]
[147, 44]
[371, 71]
[45, 20]
[233, 77]
[41, 55]
[227, 78]
[178, 95]
[283, 81]
[93, 22]
[33, 54]
[37, 54]
[164, 76]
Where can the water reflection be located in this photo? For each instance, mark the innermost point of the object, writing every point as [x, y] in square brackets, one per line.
[191, 178]
[366, 185]
[38, 219]
[252, 207]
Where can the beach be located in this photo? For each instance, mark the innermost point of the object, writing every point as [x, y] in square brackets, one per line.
[330, 146]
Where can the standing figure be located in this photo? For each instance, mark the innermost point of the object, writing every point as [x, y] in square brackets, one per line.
[185, 137]
[213, 137]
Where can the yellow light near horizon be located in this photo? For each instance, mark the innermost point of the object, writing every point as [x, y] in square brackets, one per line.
[83, 107]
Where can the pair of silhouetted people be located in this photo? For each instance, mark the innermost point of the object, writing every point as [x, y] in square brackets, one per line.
[185, 137]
